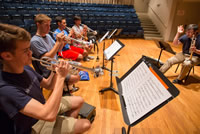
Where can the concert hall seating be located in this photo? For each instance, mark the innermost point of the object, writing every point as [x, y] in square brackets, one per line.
[100, 17]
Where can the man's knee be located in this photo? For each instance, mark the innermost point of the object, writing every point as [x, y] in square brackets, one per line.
[86, 125]
[187, 63]
[170, 62]
[79, 100]
[80, 57]
[82, 125]
[74, 79]
[85, 53]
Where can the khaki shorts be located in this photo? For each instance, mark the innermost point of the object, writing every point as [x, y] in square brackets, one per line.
[62, 125]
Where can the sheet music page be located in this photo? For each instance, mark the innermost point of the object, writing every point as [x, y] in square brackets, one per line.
[112, 49]
[104, 37]
[142, 92]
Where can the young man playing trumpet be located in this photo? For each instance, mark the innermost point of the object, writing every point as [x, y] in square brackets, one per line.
[21, 100]
[69, 52]
[42, 45]
[80, 32]
[187, 49]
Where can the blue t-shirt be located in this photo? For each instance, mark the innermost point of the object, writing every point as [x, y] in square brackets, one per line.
[16, 90]
[67, 46]
[40, 46]
[187, 42]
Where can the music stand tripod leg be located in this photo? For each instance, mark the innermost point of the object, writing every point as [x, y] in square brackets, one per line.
[158, 62]
[111, 84]
[103, 67]
[97, 59]
[124, 130]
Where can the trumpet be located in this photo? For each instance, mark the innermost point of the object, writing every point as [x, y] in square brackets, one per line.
[79, 41]
[50, 63]
[89, 29]
[69, 29]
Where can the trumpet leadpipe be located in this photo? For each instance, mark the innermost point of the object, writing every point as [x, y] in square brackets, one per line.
[79, 41]
[89, 29]
[50, 62]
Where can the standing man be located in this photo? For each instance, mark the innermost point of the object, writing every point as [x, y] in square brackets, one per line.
[183, 56]
[21, 100]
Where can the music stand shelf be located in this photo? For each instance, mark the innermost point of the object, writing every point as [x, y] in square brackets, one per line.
[134, 107]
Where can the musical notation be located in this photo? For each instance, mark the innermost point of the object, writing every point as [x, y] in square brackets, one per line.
[142, 91]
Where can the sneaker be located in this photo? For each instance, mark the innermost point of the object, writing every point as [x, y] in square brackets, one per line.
[86, 59]
[176, 81]
[74, 89]
[90, 57]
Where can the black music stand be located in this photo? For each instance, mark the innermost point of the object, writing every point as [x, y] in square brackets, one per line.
[130, 98]
[100, 40]
[163, 46]
[110, 52]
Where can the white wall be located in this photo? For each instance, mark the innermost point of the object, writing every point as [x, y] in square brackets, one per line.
[161, 13]
[186, 13]
[141, 5]
[168, 14]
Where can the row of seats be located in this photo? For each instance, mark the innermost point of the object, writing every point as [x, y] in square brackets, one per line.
[46, 2]
[23, 16]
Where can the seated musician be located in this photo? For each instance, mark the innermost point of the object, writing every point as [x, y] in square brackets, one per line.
[22, 102]
[42, 45]
[69, 52]
[80, 33]
[183, 57]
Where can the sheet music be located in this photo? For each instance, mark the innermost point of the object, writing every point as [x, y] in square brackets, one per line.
[112, 49]
[104, 37]
[142, 92]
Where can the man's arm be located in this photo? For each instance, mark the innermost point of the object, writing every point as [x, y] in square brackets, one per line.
[195, 50]
[180, 30]
[49, 110]
[57, 47]
[49, 83]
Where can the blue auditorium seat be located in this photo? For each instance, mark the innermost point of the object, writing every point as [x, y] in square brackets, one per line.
[4, 18]
[28, 23]
[33, 29]
[88, 23]
[33, 12]
[16, 16]
[17, 22]
[29, 8]
[102, 23]
[27, 16]
[8, 1]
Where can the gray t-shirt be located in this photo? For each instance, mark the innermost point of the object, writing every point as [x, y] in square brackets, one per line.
[40, 46]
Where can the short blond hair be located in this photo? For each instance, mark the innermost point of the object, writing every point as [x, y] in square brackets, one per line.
[41, 17]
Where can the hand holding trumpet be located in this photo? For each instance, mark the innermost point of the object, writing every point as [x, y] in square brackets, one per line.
[62, 68]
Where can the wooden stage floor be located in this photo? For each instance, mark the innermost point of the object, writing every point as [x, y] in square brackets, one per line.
[180, 116]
